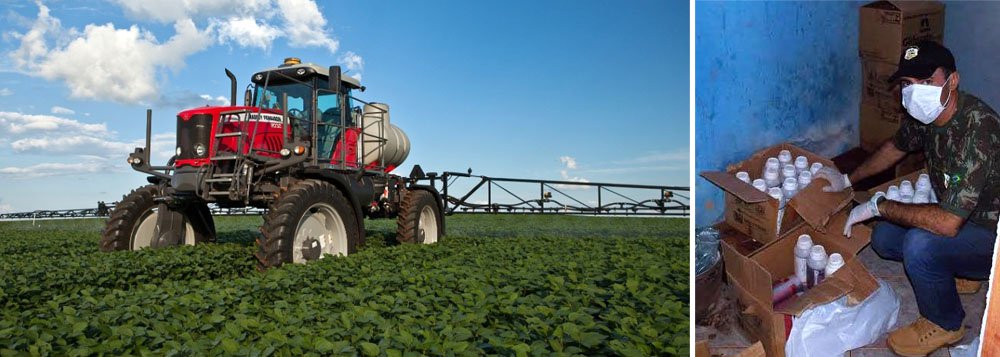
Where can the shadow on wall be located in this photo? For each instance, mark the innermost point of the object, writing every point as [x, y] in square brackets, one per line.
[971, 35]
[772, 72]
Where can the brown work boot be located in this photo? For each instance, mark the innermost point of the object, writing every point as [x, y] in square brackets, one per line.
[967, 287]
[921, 338]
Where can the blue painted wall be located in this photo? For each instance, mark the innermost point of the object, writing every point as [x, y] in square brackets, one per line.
[970, 33]
[767, 73]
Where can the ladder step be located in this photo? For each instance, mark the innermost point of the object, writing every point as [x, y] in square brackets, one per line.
[226, 135]
[219, 180]
[226, 157]
[218, 193]
[224, 175]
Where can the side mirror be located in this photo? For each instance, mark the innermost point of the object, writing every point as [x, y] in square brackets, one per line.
[247, 98]
[335, 79]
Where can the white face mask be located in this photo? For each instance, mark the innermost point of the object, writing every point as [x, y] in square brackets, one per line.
[923, 101]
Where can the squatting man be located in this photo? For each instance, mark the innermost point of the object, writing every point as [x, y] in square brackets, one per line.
[938, 243]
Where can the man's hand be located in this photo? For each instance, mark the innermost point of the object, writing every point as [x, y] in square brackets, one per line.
[862, 213]
[838, 181]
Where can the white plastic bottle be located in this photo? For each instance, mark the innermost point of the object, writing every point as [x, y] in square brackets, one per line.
[777, 194]
[835, 262]
[906, 188]
[789, 188]
[921, 196]
[801, 164]
[743, 176]
[816, 266]
[923, 183]
[802, 249]
[814, 168]
[760, 185]
[771, 177]
[785, 157]
[772, 163]
[788, 171]
[893, 193]
[805, 178]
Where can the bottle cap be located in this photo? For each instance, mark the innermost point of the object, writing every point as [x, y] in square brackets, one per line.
[805, 177]
[906, 187]
[743, 176]
[775, 193]
[790, 184]
[760, 185]
[788, 171]
[815, 167]
[804, 242]
[785, 156]
[772, 162]
[801, 163]
[817, 252]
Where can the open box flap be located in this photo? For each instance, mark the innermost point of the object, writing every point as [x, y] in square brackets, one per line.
[729, 183]
[906, 6]
[743, 271]
[816, 206]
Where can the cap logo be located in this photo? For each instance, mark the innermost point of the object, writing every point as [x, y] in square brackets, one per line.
[911, 53]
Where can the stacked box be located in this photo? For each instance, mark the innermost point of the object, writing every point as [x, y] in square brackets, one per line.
[885, 28]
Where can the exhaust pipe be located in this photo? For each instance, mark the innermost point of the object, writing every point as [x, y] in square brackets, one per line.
[232, 87]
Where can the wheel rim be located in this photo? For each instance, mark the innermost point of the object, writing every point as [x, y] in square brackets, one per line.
[320, 231]
[427, 228]
[142, 235]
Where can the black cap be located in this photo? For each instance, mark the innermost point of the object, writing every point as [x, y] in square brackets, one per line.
[922, 59]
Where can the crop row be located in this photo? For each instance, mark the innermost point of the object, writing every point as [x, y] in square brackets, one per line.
[462, 296]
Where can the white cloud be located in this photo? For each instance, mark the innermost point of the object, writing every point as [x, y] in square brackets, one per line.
[19, 123]
[5, 92]
[305, 25]
[61, 110]
[220, 100]
[65, 143]
[170, 11]
[102, 50]
[354, 64]
[6, 208]
[54, 169]
[244, 31]
[569, 161]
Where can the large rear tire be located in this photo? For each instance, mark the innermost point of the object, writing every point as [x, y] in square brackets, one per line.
[420, 220]
[133, 222]
[307, 221]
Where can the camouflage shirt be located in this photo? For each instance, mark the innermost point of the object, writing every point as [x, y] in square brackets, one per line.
[961, 161]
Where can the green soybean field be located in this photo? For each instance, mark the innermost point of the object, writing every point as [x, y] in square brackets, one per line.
[495, 285]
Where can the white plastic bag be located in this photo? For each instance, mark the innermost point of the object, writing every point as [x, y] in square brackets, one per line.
[834, 328]
[969, 350]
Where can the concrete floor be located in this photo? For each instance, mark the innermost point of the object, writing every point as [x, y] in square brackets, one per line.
[729, 340]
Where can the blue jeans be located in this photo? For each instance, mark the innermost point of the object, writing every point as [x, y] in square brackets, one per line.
[932, 262]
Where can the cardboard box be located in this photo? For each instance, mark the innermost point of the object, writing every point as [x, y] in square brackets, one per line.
[752, 277]
[876, 90]
[755, 214]
[886, 26]
[877, 124]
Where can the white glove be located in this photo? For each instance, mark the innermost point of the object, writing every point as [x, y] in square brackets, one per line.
[838, 181]
[862, 213]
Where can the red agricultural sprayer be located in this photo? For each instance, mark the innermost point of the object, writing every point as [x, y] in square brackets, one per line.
[302, 147]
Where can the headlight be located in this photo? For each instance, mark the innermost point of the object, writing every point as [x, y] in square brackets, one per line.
[301, 71]
[199, 150]
[285, 152]
[259, 77]
[178, 151]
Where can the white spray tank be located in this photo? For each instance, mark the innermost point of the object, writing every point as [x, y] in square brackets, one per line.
[381, 141]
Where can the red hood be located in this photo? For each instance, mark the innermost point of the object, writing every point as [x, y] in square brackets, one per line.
[215, 111]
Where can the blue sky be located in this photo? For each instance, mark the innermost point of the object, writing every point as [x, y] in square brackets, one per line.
[575, 90]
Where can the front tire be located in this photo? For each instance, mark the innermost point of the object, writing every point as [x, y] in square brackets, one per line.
[133, 222]
[420, 220]
[307, 221]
